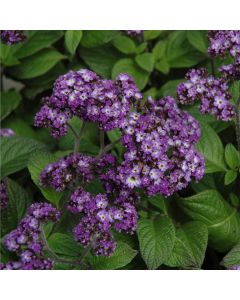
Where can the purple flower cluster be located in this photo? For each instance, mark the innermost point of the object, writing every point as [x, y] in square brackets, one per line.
[222, 43]
[235, 268]
[100, 215]
[11, 37]
[134, 32]
[3, 195]
[26, 241]
[6, 132]
[212, 92]
[160, 156]
[73, 169]
[84, 94]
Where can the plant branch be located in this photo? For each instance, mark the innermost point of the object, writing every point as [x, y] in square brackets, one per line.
[107, 148]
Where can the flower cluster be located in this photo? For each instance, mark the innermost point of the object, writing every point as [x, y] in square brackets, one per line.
[6, 132]
[235, 268]
[100, 215]
[212, 92]
[160, 156]
[222, 43]
[11, 37]
[3, 195]
[134, 32]
[84, 94]
[26, 241]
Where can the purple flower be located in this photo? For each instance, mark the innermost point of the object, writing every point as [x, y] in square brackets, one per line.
[6, 132]
[134, 32]
[235, 268]
[11, 37]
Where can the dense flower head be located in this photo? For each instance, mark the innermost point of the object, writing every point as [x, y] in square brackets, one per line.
[6, 132]
[235, 268]
[26, 241]
[84, 94]
[100, 215]
[3, 195]
[212, 92]
[134, 32]
[160, 157]
[11, 37]
[223, 42]
[231, 71]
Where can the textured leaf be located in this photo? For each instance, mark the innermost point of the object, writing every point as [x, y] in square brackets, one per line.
[211, 147]
[37, 64]
[232, 156]
[156, 240]
[233, 257]
[127, 65]
[189, 247]
[145, 61]
[37, 41]
[198, 39]
[122, 256]
[72, 40]
[9, 102]
[19, 200]
[151, 34]
[222, 220]
[124, 44]
[93, 38]
[15, 152]
[37, 162]
[230, 176]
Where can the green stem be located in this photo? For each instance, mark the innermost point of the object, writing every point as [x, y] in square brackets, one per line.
[107, 148]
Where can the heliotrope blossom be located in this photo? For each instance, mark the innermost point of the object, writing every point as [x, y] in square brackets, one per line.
[212, 92]
[235, 268]
[3, 195]
[134, 32]
[6, 132]
[160, 156]
[26, 240]
[11, 37]
[84, 94]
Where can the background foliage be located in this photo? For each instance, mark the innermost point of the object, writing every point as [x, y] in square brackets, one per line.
[197, 228]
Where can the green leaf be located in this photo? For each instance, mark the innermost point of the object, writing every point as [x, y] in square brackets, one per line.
[7, 54]
[189, 247]
[113, 136]
[100, 59]
[145, 61]
[222, 220]
[19, 199]
[230, 176]
[72, 40]
[64, 244]
[36, 64]
[122, 256]
[198, 39]
[159, 201]
[124, 44]
[232, 258]
[21, 128]
[179, 52]
[159, 50]
[151, 34]
[169, 88]
[93, 38]
[9, 102]
[163, 66]
[156, 240]
[232, 156]
[15, 152]
[211, 147]
[127, 65]
[37, 162]
[39, 40]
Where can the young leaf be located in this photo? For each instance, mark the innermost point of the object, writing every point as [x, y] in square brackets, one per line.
[72, 40]
[222, 220]
[94, 38]
[145, 61]
[211, 147]
[15, 152]
[189, 247]
[19, 200]
[127, 65]
[37, 64]
[233, 257]
[37, 41]
[122, 256]
[232, 156]
[37, 162]
[9, 102]
[151, 34]
[156, 240]
[230, 176]
[198, 39]
[124, 44]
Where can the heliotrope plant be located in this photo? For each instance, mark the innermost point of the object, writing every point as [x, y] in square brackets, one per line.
[160, 160]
